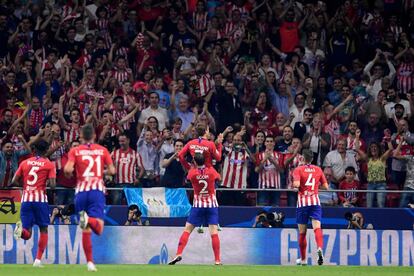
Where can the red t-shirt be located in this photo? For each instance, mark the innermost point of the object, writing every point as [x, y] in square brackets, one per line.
[289, 36]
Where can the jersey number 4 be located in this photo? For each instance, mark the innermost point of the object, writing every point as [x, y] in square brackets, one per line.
[33, 172]
[310, 182]
[91, 163]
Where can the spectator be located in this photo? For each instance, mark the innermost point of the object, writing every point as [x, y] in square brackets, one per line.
[268, 166]
[317, 141]
[406, 198]
[174, 172]
[349, 199]
[129, 168]
[149, 154]
[155, 111]
[65, 196]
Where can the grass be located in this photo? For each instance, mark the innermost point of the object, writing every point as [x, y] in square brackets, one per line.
[183, 270]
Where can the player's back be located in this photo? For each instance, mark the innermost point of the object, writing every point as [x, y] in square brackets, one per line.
[90, 160]
[207, 148]
[35, 172]
[203, 182]
[310, 177]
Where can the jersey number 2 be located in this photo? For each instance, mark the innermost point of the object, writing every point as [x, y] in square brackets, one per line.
[91, 162]
[33, 172]
[204, 189]
[310, 182]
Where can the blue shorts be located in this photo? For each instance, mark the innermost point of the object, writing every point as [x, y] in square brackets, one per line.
[203, 216]
[303, 214]
[92, 202]
[34, 213]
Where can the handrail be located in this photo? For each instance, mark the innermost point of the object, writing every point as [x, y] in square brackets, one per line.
[245, 190]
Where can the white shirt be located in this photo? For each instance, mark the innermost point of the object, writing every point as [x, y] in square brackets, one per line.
[338, 165]
[159, 113]
[389, 108]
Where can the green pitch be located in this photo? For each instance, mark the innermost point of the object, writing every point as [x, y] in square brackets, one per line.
[184, 270]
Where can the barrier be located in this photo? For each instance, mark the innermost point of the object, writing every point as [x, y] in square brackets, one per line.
[157, 245]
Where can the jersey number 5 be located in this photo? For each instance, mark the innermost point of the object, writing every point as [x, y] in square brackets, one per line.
[204, 189]
[91, 162]
[33, 172]
[310, 182]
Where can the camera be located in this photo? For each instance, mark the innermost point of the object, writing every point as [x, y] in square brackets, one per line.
[68, 210]
[269, 220]
[355, 220]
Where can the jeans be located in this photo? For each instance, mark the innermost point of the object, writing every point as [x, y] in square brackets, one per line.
[380, 196]
[65, 197]
[268, 198]
[398, 178]
[406, 198]
[118, 195]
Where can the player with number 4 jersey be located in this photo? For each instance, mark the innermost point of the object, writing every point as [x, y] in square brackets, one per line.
[205, 206]
[306, 179]
[35, 172]
[89, 161]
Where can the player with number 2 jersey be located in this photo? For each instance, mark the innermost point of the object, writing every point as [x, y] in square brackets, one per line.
[205, 206]
[89, 161]
[306, 179]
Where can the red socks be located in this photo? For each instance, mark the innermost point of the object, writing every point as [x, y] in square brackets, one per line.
[41, 245]
[26, 234]
[183, 242]
[215, 242]
[95, 225]
[318, 237]
[87, 245]
[302, 245]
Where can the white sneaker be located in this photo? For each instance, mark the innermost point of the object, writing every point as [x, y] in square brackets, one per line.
[92, 267]
[83, 220]
[320, 256]
[301, 262]
[18, 230]
[37, 263]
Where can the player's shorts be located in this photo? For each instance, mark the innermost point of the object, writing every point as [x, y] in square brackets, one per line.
[203, 216]
[32, 213]
[303, 214]
[93, 202]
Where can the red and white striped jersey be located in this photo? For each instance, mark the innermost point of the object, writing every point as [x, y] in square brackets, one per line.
[205, 84]
[56, 157]
[119, 115]
[235, 169]
[405, 77]
[35, 172]
[203, 181]
[89, 160]
[296, 162]
[233, 30]
[269, 177]
[127, 164]
[309, 176]
[121, 76]
[71, 133]
[200, 21]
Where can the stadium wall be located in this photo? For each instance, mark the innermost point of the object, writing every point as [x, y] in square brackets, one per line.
[157, 245]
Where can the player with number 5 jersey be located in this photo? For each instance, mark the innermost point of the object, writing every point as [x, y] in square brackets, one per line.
[306, 179]
[36, 172]
[89, 161]
[205, 206]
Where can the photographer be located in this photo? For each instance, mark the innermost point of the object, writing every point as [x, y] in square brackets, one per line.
[269, 220]
[63, 214]
[355, 220]
[134, 216]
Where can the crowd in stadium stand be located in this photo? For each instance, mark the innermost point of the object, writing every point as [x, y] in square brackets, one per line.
[336, 77]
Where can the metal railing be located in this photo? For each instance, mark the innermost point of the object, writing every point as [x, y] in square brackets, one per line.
[244, 190]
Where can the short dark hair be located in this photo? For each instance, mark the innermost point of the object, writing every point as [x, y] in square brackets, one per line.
[41, 147]
[350, 169]
[199, 159]
[179, 140]
[87, 132]
[200, 130]
[307, 155]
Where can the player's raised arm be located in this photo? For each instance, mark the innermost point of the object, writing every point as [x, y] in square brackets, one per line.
[181, 157]
[17, 176]
[217, 151]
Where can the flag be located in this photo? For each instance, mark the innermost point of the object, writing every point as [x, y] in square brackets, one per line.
[159, 202]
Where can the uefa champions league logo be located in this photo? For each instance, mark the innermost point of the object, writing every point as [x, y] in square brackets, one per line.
[162, 258]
